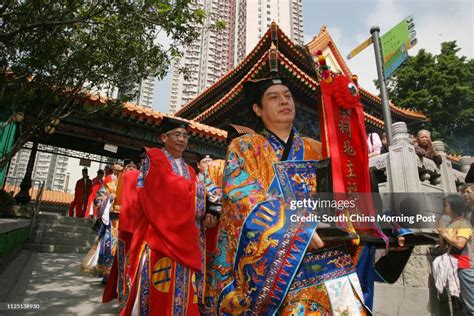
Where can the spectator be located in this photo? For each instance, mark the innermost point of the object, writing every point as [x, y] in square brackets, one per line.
[424, 147]
[467, 192]
[458, 237]
[384, 144]
[374, 144]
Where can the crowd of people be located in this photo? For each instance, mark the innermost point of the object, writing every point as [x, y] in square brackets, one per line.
[171, 241]
[421, 142]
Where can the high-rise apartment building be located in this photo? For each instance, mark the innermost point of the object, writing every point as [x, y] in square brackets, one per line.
[207, 58]
[49, 167]
[254, 17]
[143, 92]
[218, 51]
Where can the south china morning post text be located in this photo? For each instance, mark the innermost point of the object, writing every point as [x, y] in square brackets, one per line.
[319, 211]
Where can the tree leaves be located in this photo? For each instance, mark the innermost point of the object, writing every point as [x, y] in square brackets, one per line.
[48, 47]
[441, 86]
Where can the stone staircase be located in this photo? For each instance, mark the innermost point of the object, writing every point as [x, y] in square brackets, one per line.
[54, 233]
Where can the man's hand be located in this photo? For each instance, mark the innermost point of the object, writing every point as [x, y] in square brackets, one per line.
[210, 221]
[316, 242]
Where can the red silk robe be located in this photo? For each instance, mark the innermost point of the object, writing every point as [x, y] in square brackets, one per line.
[119, 281]
[170, 256]
[96, 185]
[82, 192]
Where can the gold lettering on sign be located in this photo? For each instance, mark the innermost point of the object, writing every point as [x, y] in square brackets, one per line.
[348, 149]
[351, 187]
[350, 170]
[345, 128]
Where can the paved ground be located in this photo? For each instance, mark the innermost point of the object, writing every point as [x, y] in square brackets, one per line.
[55, 282]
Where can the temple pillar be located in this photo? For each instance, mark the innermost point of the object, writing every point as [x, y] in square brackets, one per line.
[402, 168]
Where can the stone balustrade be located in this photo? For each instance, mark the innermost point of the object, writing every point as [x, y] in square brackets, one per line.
[402, 171]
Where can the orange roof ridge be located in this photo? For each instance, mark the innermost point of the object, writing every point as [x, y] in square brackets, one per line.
[48, 197]
[240, 65]
[237, 87]
[159, 115]
[407, 112]
[324, 39]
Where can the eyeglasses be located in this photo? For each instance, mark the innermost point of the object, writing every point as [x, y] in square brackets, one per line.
[179, 134]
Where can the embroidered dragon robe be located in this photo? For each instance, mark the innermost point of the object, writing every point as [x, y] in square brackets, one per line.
[262, 265]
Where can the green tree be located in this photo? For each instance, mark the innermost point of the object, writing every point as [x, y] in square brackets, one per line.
[442, 87]
[55, 53]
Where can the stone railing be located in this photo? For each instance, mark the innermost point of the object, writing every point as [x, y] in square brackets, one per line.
[404, 171]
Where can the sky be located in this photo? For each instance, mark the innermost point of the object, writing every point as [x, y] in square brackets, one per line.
[349, 22]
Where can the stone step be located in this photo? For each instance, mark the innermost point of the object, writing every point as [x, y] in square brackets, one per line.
[68, 235]
[51, 223]
[65, 220]
[56, 248]
[80, 242]
[64, 228]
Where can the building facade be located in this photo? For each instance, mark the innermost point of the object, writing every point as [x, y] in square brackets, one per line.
[255, 18]
[143, 92]
[49, 167]
[217, 51]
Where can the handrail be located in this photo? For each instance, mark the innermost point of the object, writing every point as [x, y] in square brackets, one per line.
[39, 194]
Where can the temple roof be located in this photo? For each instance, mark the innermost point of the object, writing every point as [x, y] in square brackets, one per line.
[294, 62]
[273, 36]
[150, 116]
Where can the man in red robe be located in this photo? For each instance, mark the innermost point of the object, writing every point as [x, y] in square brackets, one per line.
[81, 195]
[166, 257]
[96, 185]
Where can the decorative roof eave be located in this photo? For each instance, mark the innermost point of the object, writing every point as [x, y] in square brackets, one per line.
[324, 39]
[153, 117]
[373, 120]
[236, 91]
[404, 112]
[288, 46]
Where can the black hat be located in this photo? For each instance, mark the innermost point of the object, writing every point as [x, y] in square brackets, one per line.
[234, 131]
[204, 156]
[254, 89]
[128, 162]
[168, 124]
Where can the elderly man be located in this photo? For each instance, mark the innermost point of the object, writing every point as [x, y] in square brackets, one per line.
[425, 148]
[166, 256]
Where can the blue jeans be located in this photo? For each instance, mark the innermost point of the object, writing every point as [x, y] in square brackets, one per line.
[466, 280]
